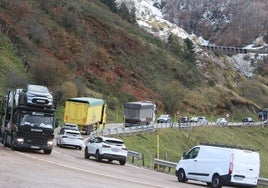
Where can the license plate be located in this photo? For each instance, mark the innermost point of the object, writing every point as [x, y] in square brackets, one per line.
[115, 149]
[35, 147]
[238, 178]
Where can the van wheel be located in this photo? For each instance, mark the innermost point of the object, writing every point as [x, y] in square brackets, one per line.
[181, 176]
[216, 182]
[209, 184]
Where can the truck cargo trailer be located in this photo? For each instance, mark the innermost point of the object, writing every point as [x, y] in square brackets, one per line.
[88, 113]
[139, 113]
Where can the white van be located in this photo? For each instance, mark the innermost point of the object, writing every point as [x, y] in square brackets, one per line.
[220, 165]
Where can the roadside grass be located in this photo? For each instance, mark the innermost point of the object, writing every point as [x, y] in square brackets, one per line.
[173, 142]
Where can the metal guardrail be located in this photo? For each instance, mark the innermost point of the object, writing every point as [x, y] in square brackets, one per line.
[165, 163]
[261, 181]
[153, 127]
[134, 154]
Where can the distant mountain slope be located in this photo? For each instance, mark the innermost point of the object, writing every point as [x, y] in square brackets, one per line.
[82, 48]
[229, 23]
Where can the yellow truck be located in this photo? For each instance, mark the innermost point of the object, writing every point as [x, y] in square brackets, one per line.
[88, 113]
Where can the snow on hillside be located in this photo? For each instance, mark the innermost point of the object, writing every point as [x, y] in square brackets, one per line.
[151, 19]
[149, 16]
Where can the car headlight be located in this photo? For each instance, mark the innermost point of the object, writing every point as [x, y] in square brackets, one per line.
[20, 140]
[50, 142]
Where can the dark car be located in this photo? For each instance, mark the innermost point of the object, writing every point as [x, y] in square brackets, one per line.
[184, 119]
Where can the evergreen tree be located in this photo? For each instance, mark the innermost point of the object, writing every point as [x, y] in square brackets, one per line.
[111, 4]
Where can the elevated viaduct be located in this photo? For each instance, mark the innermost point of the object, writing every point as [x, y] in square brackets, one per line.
[233, 50]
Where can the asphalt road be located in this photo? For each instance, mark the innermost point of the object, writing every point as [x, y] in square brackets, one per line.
[68, 168]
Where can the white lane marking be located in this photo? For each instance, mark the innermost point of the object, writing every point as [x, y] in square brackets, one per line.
[87, 171]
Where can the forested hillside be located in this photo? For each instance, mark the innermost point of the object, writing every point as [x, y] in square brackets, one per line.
[84, 48]
[229, 23]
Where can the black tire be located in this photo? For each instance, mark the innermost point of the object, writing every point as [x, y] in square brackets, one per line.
[80, 148]
[5, 144]
[88, 130]
[86, 155]
[110, 160]
[22, 98]
[122, 162]
[97, 156]
[181, 176]
[216, 181]
[47, 151]
[209, 184]
[12, 143]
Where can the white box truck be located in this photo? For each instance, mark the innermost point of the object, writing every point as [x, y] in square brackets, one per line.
[220, 165]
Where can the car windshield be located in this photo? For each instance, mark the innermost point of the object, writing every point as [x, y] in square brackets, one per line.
[37, 88]
[70, 126]
[74, 134]
[39, 121]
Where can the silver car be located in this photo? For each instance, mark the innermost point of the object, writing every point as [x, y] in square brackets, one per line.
[221, 121]
[70, 138]
[38, 95]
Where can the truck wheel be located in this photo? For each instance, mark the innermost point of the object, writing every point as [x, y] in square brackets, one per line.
[88, 130]
[5, 139]
[216, 182]
[47, 151]
[12, 143]
[181, 176]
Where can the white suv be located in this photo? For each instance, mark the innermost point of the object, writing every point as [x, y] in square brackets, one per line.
[70, 137]
[106, 148]
[202, 120]
[164, 118]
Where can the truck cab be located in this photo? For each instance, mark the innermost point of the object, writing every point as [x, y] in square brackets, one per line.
[26, 126]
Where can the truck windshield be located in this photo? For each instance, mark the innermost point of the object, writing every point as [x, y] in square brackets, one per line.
[37, 121]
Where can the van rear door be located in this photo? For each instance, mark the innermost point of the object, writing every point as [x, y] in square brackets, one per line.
[246, 167]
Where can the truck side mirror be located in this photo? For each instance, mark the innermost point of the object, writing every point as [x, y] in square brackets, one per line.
[56, 123]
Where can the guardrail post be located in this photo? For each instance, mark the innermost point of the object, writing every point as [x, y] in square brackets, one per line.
[142, 155]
